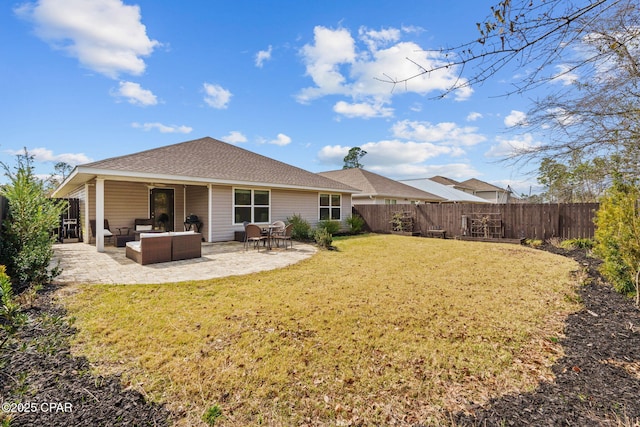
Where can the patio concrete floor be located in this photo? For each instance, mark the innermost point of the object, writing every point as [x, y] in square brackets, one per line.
[82, 264]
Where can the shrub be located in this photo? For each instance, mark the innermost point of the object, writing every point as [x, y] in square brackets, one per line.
[331, 226]
[11, 318]
[534, 243]
[323, 238]
[356, 223]
[301, 229]
[618, 236]
[579, 243]
[27, 238]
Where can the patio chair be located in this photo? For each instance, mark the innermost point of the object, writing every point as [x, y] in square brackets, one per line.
[253, 233]
[286, 236]
[107, 231]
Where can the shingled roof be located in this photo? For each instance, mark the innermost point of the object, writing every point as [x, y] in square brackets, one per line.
[201, 160]
[372, 184]
[477, 185]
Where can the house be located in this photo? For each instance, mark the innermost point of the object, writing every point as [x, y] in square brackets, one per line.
[482, 189]
[222, 184]
[447, 192]
[377, 189]
[490, 192]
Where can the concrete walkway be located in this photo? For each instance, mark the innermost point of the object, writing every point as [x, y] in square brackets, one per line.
[82, 264]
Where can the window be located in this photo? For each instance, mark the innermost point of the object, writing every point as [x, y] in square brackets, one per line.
[390, 202]
[251, 206]
[330, 207]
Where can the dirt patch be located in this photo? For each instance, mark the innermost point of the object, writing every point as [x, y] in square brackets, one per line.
[596, 382]
[41, 383]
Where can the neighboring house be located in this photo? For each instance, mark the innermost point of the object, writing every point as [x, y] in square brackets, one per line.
[482, 189]
[447, 192]
[377, 189]
[490, 192]
[222, 184]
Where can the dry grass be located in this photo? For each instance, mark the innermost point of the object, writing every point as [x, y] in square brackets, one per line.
[388, 329]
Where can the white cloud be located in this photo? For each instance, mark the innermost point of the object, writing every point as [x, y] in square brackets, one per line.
[473, 116]
[396, 152]
[281, 140]
[509, 147]
[332, 154]
[362, 110]
[135, 94]
[565, 75]
[374, 39]
[457, 171]
[262, 56]
[45, 155]
[564, 117]
[162, 128]
[339, 65]
[234, 137]
[106, 36]
[516, 118]
[446, 133]
[216, 96]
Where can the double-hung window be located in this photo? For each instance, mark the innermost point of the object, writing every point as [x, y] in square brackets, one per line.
[251, 206]
[330, 206]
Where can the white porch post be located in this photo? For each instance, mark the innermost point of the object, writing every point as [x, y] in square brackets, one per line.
[86, 234]
[210, 215]
[100, 214]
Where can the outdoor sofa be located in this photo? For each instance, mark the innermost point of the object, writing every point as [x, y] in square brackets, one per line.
[164, 247]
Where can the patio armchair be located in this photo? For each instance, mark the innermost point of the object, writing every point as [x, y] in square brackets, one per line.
[253, 233]
[285, 236]
[107, 231]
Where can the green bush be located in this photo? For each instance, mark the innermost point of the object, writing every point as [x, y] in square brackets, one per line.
[11, 317]
[356, 223]
[323, 238]
[27, 239]
[618, 236]
[331, 226]
[580, 243]
[301, 229]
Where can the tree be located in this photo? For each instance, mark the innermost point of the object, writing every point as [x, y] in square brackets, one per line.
[60, 172]
[575, 181]
[27, 240]
[352, 160]
[593, 47]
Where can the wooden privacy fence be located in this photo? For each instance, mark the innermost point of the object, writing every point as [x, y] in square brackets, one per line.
[509, 221]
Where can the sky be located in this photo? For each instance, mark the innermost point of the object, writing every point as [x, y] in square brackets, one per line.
[298, 81]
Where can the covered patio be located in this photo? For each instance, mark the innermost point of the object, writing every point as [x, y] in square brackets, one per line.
[82, 264]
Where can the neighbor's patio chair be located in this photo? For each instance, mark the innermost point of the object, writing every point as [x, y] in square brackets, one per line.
[107, 231]
[253, 233]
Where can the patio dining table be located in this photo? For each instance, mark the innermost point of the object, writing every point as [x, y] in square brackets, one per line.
[267, 230]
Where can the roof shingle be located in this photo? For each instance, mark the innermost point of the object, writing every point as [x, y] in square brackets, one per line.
[213, 160]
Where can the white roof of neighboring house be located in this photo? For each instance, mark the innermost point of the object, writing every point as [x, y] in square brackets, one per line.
[448, 193]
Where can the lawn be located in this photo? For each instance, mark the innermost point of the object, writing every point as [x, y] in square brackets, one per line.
[386, 329]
